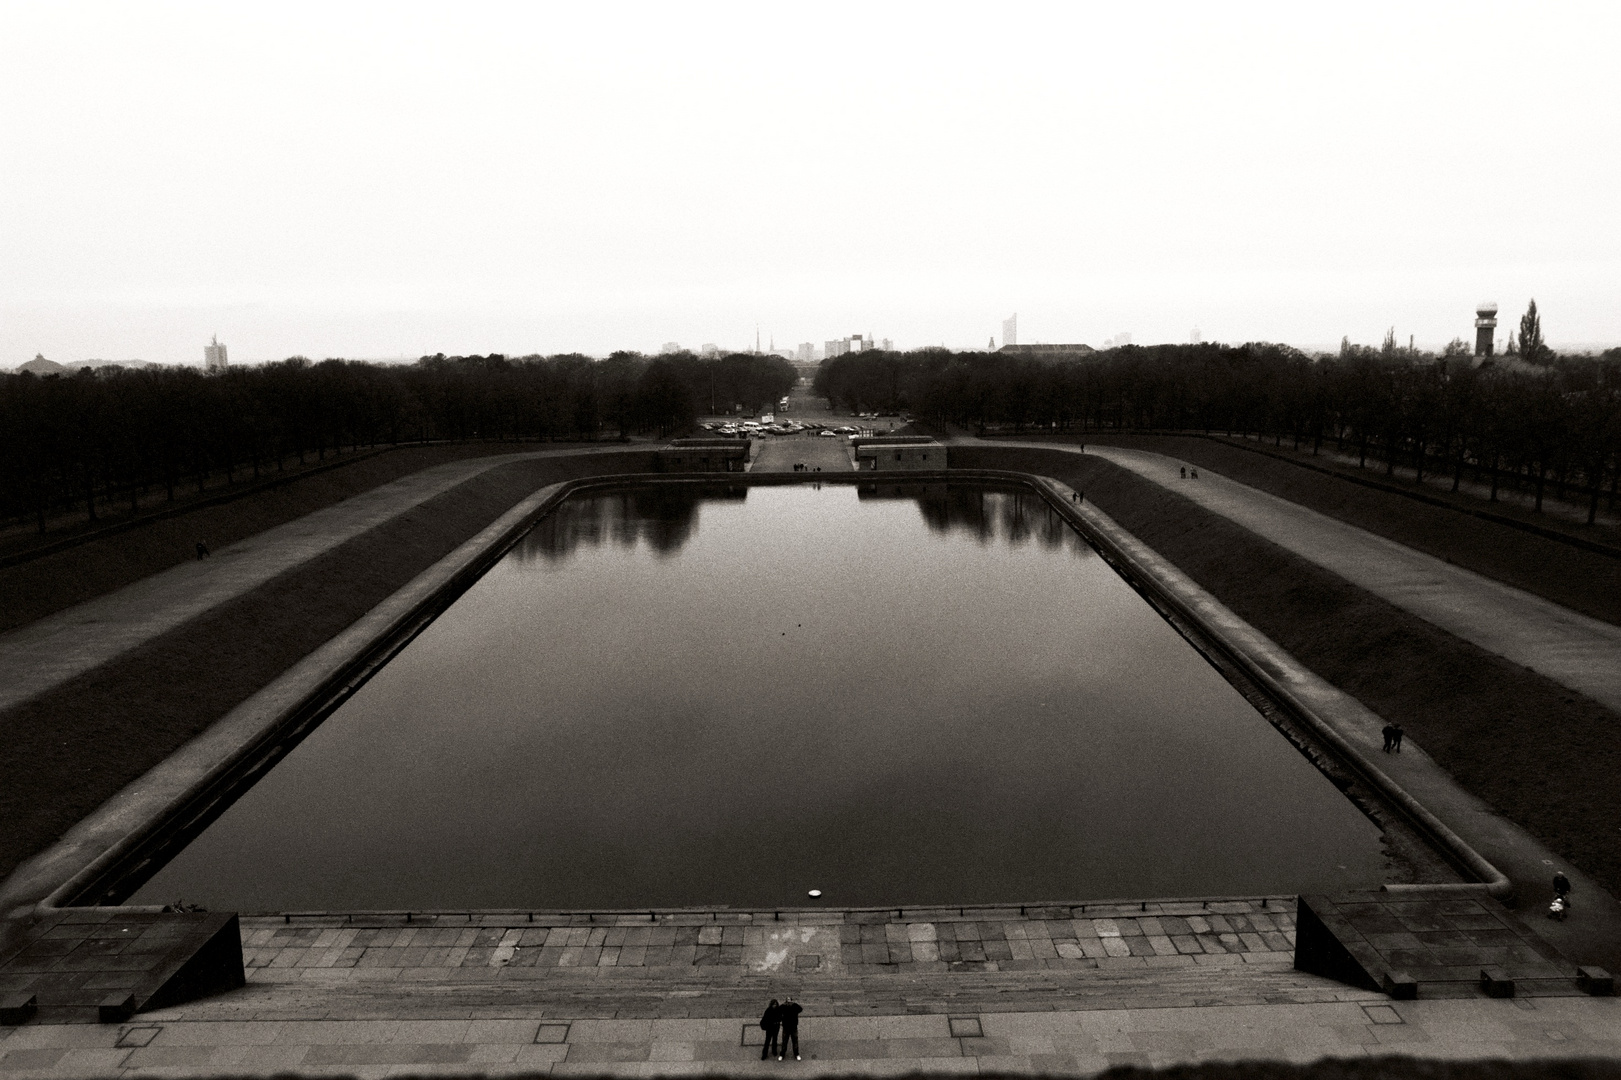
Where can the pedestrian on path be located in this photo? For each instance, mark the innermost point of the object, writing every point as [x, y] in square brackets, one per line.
[1396, 744]
[202, 551]
[770, 1021]
[1561, 884]
[788, 1012]
[1184, 471]
[1389, 732]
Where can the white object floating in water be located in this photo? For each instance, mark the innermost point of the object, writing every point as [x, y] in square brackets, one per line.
[816, 892]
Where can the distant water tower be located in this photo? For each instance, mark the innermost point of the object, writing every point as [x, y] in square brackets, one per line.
[1485, 326]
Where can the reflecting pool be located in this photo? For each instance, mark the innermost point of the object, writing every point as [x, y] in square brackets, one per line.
[679, 695]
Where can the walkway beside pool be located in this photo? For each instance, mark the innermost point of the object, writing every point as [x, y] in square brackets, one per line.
[47, 653]
[1574, 650]
[1051, 991]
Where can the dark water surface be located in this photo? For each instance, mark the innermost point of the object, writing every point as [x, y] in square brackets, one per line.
[707, 697]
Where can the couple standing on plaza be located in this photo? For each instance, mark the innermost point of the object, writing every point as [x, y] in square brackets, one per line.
[783, 1017]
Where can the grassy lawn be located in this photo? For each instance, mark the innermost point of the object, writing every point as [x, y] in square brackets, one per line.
[69, 751]
[1542, 755]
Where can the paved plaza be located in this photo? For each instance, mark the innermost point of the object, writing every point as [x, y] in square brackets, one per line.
[781, 453]
[1052, 991]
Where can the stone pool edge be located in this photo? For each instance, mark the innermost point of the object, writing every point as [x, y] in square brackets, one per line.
[149, 804]
[1329, 712]
[158, 801]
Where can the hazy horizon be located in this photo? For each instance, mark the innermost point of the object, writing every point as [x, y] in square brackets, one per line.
[398, 181]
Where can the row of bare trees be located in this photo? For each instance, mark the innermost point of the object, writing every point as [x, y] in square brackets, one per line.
[115, 438]
[1531, 425]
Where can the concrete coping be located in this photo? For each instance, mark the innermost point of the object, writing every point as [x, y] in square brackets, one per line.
[1280, 903]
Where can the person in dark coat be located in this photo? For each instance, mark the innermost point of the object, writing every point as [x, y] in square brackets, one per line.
[770, 1021]
[788, 1012]
[1396, 745]
[1561, 884]
[1389, 732]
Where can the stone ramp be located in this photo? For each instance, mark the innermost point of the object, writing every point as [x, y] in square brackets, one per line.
[1439, 943]
[105, 964]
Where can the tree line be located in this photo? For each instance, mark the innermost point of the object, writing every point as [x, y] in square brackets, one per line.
[115, 438]
[1531, 420]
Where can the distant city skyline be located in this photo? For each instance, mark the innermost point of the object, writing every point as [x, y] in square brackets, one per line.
[584, 179]
[1470, 330]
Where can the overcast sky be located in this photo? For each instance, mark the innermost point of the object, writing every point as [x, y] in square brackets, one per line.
[338, 180]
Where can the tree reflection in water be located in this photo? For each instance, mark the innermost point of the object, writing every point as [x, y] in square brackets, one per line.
[662, 516]
[1012, 515]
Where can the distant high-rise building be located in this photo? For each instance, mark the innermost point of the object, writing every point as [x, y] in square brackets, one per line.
[852, 344]
[214, 355]
[806, 352]
[1010, 329]
[1195, 337]
[1485, 327]
[669, 347]
[1122, 338]
[710, 349]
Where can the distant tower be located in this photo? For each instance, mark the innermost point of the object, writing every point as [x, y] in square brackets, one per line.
[214, 355]
[1010, 329]
[1485, 326]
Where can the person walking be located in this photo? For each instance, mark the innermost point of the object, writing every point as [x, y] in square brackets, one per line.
[1396, 743]
[770, 1021]
[1561, 884]
[788, 1013]
[1389, 732]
